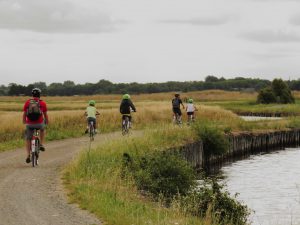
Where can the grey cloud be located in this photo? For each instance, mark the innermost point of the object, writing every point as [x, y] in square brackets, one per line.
[202, 21]
[269, 36]
[55, 16]
[275, 54]
[295, 20]
[297, 1]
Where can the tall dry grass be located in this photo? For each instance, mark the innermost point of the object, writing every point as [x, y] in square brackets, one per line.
[67, 120]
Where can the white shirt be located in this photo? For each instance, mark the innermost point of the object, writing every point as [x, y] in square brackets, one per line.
[190, 107]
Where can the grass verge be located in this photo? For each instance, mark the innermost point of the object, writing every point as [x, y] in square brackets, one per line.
[97, 183]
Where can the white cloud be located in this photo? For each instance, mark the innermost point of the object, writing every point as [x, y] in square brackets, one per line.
[271, 36]
[202, 21]
[55, 16]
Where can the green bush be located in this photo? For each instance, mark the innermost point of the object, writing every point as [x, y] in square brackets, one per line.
[266, 96]
[287, 97]
[214, 140]
[210, 199]
[161, 173]
[278, 92]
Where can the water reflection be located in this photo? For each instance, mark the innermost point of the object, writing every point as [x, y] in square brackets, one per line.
[256, 118]
[269, 184]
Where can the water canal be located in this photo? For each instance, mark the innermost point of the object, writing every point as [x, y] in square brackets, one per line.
[269, 184]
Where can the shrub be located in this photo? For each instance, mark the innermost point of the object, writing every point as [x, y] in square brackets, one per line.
[287, 97]
[214, 140]
[278, 92]
[266, 96]
[209, 200]
[161, 173]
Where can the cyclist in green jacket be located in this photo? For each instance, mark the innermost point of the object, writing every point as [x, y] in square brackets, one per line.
[126, 107]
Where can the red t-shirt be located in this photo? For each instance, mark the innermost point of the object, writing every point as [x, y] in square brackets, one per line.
[43, 107]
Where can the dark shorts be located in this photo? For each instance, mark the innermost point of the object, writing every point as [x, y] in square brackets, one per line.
[177, 111]
[89, 119]
[31, 127]
[124, 116]
[190, 113]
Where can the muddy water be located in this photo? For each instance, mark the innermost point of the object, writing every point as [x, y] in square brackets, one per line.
[269, 184]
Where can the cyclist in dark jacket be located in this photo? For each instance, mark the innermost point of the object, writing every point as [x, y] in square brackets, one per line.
[176, 102]
[126, 107]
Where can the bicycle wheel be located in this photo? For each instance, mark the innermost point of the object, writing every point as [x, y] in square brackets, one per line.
[35, 152]
[91, 131]
[189, 120]
[178, 120]
[125, 126]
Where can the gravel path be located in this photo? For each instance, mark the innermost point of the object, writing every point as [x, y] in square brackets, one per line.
[35, 195]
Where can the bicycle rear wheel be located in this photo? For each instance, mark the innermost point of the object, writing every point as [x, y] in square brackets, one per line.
[178, 120]
[35, 153]
[125, 126]
[91, 131]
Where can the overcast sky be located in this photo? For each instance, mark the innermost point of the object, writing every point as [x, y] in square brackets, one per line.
[147, 41]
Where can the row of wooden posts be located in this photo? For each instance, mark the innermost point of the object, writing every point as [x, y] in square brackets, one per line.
[241, 145]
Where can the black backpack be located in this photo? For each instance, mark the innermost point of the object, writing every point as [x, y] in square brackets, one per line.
[176, 103]
[34, 110]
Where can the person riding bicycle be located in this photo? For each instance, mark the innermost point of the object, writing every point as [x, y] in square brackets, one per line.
[176, 102]
[34, 117]
[125, 108]
[191, 108]
[91, 113]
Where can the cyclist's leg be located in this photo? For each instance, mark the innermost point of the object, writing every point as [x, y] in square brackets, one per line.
[87, 125]
[41, 127]
[94, 124]
[193, 116]
[174, 115]
[179, 115]
[123, 120]
[123, 123]
[42, 135]
[129, 121]
[28, 137]
[190, 116]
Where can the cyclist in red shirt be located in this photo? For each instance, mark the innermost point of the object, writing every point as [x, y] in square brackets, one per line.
[34, 117]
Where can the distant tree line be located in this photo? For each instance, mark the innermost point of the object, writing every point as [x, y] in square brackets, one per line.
[68, 88]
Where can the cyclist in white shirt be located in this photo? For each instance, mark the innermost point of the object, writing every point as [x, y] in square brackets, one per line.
[191, 108]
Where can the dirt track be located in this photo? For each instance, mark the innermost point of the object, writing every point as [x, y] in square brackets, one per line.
[35, 195]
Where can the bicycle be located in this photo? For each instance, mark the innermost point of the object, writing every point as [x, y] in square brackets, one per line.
[91, 130]
[177, 119]
[35, 147]
[191, 117]
[125, 125]
[191, 120]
